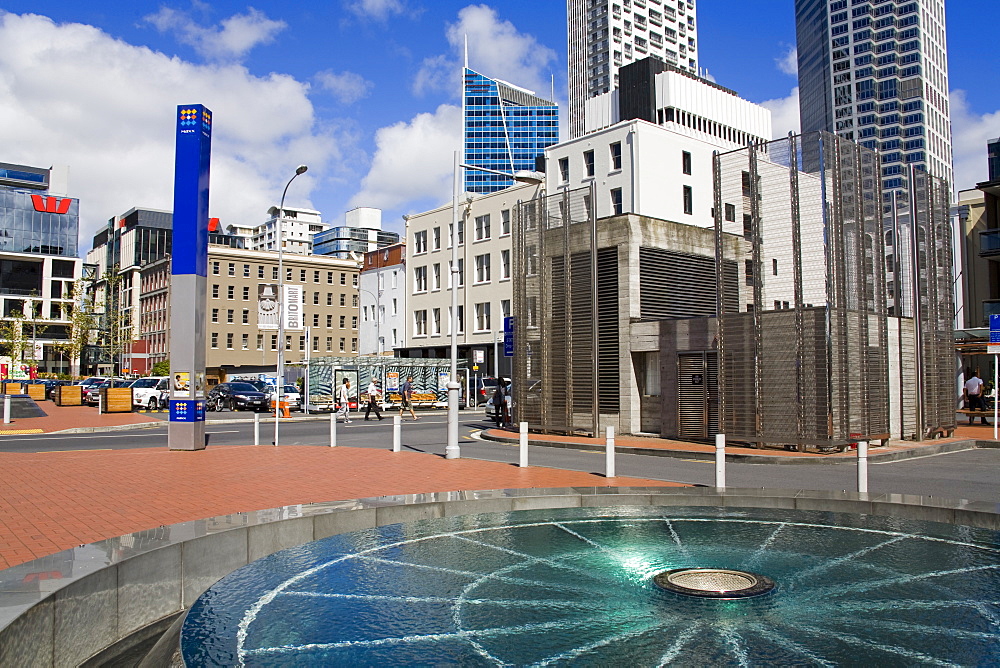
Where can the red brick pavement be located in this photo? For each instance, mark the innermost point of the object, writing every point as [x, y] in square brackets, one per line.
[59, 418]
[54, 501]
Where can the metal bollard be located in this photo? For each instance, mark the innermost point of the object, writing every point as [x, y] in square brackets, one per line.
[6, 409]
[256, 428]
[333, 430]
[397, 433]
[720, 460]
[609, 453]
[862, 467]
[523, 445]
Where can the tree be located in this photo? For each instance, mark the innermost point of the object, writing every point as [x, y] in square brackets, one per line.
[82, 324]
[116, 330]
[12, 336]
[161, 368]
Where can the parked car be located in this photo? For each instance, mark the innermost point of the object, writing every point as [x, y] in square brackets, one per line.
[484, 391]
[291, 395]
[93, 380]
[146, 391]
[92, 393]
[237, 396]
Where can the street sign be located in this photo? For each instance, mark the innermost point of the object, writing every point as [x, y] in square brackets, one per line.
[479, 356]
[995, 329]
[508, 325]
[508, 344]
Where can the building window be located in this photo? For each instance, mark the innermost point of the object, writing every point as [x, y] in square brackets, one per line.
[231, 292]
[246, 342]
[483, 317]
[274, 342]
[420, 242]
[436, 321]
[260, 342]
[302, 275]
[461, 320]
[343, 299]
[215, 315]
[588, 163]
[354, 280]
[354, 301]
[215, 291]
[774, 266]
[482, 227]
[686, 162]
[288, 342]
[329, 322]
[329, 344]
[215, 339]
[316, 299]
[505, 308]
[229, 316]
[354, 345]
[229, 341]
[731, 213]
[246, 316]
[343, 322]
[354, 322]
[420, 323]
[483, 268]
[436, 238]
[436, 277]
[504, 264]
[246, 293]
[246, 271]
[564, 170]
[343, 345]
[316, 277]
[329, 299]
[215, 268]
[274, 273]
[505, 222]
[315, 347]
[688, 200]
[616, 155]
[343, 278]
[315, 319]
[232, 268]
[329, 277]
[260, 271]
[616, 201]
[419, 279]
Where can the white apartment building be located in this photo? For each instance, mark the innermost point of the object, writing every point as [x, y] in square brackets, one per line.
[485, 265]
[382, 290]
[297, 227]
[604, 35]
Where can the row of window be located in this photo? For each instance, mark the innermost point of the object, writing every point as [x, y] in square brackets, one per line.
[429, 323]
[483, 232]
[289, 272]
[245, 343]
[483, 265]
[245, 318]
[231, 295]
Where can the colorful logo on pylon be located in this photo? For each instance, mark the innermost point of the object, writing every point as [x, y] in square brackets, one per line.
[189, 116]
[206, 120]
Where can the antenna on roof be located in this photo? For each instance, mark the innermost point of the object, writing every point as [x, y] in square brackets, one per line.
[466, 51]
[552, 77]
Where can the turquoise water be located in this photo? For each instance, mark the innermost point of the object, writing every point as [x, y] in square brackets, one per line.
[574, 587]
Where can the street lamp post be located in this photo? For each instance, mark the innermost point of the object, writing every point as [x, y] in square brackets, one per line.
[280, 366]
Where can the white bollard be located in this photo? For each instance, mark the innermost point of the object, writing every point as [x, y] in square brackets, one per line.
[256, 428]
[522, 442]
[609, 453]
[6, 409]
[862, 467]
[397, 433]
[720, 460]
[333, 430]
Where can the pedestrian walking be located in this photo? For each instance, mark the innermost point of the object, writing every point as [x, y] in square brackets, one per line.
[344, 397]
[374, 399]
[974, 395]
[499, 402]
[406, 393]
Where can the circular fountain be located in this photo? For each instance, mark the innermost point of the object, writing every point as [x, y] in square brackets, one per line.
[614, 586]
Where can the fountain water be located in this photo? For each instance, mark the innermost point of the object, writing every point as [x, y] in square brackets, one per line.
[580, 586]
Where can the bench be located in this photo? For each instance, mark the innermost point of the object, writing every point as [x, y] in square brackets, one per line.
[974, 414]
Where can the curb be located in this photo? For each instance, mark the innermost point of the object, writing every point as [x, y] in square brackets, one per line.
[873, 457]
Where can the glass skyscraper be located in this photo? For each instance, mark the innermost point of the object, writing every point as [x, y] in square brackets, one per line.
[876, 72]
[506, 128]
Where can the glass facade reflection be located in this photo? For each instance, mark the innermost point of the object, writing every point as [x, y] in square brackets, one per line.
[506, 129]
[38, 223]
[342, 241]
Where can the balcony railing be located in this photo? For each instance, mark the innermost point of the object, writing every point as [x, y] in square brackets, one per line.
[989, 243]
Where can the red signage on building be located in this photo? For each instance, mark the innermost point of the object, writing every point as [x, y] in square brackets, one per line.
[51, 204]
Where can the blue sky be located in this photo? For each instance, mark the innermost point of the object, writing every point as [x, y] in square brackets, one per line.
[363, 91]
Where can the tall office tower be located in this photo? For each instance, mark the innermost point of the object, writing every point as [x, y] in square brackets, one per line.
[876, 72]
[993, 154]
[506, 129]
[607, 34]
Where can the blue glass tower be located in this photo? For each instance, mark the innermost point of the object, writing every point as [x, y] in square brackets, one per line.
[506, 128]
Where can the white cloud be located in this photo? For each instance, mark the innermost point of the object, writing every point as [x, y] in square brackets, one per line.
[347, 87]
[232, 39]
[970, 132]
[72, 95]
[496, 48]
[413, 161]
[789, 63]
[380, 10]
[784, 114]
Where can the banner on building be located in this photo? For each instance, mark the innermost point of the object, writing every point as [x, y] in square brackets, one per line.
[267, 306]
[293, 307]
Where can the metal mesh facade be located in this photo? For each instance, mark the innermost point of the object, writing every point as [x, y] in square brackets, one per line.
[563, 316]
[805, 360]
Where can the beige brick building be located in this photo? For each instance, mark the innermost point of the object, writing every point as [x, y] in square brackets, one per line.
[234, 345]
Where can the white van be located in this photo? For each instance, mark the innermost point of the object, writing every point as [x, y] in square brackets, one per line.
[146, 391]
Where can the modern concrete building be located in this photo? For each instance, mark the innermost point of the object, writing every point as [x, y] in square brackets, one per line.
[39, 228]
[361, 233]
[234, 344]
[877, 73]
[382, 290]
[506, 129]
[484, 278]
[297, 227]
[605, 35]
